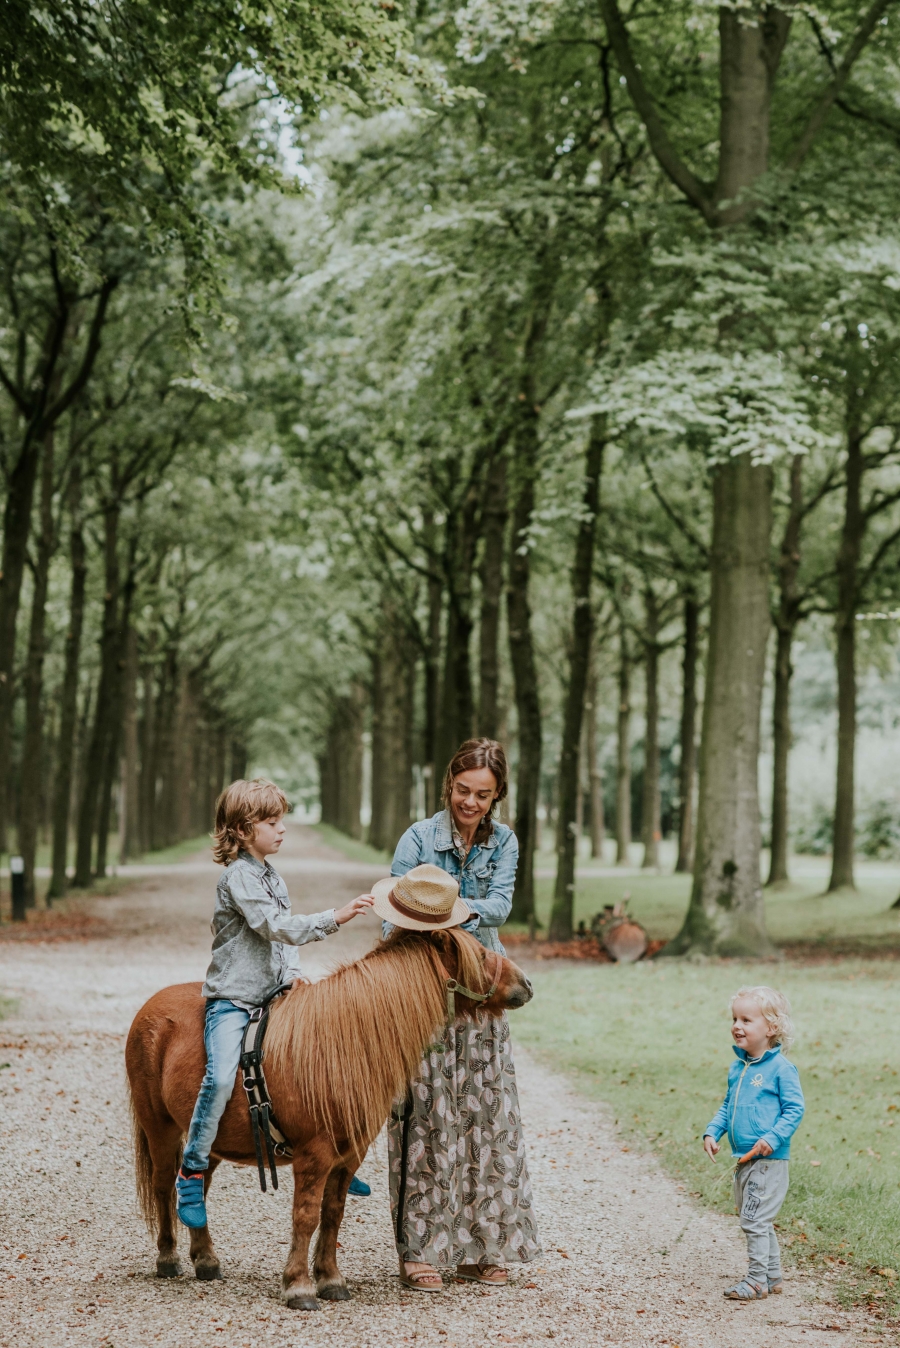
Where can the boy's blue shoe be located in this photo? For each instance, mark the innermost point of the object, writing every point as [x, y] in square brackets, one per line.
[191, 1201]
[358, 1187]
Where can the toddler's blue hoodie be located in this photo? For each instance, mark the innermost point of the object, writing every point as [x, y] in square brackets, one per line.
[763, 1101]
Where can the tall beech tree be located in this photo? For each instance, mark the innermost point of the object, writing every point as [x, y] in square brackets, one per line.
[726, 909]
[563, 911]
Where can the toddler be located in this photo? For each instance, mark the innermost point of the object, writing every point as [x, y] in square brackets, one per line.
[254, 933]
[761, 1111]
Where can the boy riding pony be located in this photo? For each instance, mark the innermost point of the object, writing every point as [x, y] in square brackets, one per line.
[254, 933]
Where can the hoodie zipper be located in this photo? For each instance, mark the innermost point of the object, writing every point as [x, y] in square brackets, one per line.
[734, 1106]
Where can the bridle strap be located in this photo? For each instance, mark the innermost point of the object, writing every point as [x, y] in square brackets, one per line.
[452, 987]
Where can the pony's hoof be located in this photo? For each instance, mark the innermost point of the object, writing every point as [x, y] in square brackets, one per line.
[333, 1291]
[208, 1272]
[302, 1302]
[168, 1268]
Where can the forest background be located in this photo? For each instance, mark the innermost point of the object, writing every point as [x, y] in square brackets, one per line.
[371, 380]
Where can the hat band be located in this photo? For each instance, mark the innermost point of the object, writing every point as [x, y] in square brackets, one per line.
[414, 914]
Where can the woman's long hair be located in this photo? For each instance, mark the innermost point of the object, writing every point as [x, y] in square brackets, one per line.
[473, 754]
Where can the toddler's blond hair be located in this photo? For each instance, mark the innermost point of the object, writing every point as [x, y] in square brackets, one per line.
[238, 809]
[776, 1011]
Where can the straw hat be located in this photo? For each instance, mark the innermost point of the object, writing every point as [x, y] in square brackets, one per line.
[424, 899]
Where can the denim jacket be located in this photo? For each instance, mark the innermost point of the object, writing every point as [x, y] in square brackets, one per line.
[253, 932]
[763, 1102]
[486, 876]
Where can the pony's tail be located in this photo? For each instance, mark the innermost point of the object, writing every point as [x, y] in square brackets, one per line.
[143, 1173]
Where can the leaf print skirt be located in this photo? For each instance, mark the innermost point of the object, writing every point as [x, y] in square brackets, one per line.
[468, 1196]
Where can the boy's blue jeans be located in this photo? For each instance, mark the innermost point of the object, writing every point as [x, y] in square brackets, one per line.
[222, 1035]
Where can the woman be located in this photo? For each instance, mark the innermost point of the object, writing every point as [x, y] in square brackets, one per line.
[467, 1199]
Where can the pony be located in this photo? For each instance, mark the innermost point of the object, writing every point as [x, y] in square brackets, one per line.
[337, 1055]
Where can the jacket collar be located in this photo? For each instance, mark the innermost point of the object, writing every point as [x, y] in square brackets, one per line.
[742, 1054]
[257, 865]
[443, 835]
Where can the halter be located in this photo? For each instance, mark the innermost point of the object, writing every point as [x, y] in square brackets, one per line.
[452, 987]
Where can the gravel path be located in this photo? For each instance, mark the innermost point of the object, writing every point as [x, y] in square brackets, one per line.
[629, 1259]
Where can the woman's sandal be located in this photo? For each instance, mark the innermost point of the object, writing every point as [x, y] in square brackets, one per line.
[484, 1273]
[415, 1278]
[746, 1290]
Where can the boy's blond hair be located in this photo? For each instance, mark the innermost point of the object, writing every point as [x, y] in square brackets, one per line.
[776, 1011]
[238, 809]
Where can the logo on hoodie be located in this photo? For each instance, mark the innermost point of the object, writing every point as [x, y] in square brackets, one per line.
[757, 1080]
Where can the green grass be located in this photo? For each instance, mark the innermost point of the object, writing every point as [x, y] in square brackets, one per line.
[350, 848]
[652, 1040]
[853, 920]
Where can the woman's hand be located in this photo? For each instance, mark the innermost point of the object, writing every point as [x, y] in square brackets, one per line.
[353, 909]
[710, 1146]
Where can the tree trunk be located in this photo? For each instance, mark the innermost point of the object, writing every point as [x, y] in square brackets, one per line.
[432, 685]
[595, 776]
[392, 718]
[623, 754]
[524, 666]
[726, 914]
[68, 710]
[562, 915]
[46, 403]
[32, 747]
[148, 757]
[96, 763]
[129, 834]
[112, 770]
[457, 717]
[340, 766]
[494, 517]
[687, 768]
[523, 475]
[650, 808]
[785, 625]
[845, 632]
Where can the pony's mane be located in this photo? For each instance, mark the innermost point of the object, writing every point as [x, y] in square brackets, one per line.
[352, 1041]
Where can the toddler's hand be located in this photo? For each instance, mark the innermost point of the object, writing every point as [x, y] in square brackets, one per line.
[759, 1148]
[353, 909]
[711, 1147]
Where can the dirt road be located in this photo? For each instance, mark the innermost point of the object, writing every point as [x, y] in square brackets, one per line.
[629, 1259]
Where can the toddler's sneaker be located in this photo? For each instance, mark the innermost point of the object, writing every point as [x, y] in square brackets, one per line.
[359, 1187]
[191, 1200]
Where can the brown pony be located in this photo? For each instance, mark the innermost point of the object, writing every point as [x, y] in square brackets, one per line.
[337, 1055]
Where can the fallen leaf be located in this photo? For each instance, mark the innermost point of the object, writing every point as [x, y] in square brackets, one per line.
[815, 1162]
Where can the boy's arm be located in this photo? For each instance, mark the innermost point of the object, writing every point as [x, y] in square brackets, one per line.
[719, 1122]
[261, 913]
[792, 1108]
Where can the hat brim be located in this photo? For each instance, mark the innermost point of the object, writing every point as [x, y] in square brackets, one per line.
[381, 891]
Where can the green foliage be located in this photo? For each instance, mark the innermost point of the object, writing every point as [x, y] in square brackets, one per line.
[652, 1041]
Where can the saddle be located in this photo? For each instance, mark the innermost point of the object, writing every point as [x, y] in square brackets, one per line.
[266, 1132]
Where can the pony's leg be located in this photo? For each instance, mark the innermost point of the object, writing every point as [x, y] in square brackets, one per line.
[330, 1283]
[203, 1254]
[165, 1146]
[311, 1169]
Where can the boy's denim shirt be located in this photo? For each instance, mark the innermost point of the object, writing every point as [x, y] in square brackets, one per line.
[254, 932]
[763, 1102]
[486, 876]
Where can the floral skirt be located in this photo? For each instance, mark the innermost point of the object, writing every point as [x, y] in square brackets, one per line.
[468, 1196]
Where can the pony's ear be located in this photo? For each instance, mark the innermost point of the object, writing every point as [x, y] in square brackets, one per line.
[441, 940]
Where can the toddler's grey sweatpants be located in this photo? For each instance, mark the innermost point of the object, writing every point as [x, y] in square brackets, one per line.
[760, 1188]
